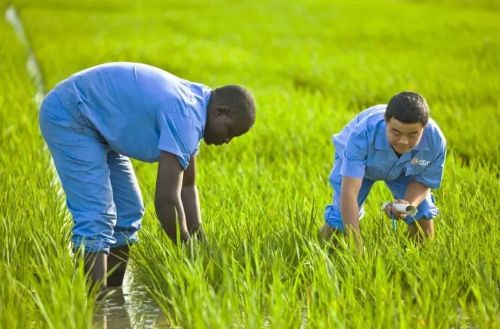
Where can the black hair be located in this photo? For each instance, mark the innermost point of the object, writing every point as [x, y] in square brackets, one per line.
[408, 107]
[239, 100]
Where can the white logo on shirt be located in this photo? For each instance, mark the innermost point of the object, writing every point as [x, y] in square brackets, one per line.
[420, 162]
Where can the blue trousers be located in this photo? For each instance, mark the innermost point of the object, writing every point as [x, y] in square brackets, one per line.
[102, 193]
[426, 210]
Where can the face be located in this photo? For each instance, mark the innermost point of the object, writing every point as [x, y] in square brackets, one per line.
[220, 128]
[403, 136]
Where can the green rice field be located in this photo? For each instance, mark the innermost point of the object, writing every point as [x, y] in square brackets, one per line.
[312, 65]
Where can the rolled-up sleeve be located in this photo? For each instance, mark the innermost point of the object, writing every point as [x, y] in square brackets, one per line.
[355, 155]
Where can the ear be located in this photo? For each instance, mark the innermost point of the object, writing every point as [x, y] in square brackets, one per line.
[223, 109]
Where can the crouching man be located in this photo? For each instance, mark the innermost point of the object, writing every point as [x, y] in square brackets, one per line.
[396, 143]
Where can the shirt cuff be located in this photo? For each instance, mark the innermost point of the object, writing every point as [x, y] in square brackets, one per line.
[180, 157]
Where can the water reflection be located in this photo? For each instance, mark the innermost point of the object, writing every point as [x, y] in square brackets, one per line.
[129, 307]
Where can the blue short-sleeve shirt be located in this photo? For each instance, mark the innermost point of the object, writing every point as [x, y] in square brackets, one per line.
[139, 109]
[362, 150]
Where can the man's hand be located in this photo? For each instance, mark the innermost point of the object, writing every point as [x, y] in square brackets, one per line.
[391, 211]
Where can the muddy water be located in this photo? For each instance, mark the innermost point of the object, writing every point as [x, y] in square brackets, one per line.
[129, 307]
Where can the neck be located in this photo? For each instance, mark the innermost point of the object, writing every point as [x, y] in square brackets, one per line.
[397, 154]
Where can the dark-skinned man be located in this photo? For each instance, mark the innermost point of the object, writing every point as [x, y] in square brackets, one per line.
[96, 120]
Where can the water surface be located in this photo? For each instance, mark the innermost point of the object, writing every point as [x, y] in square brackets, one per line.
[129, 307]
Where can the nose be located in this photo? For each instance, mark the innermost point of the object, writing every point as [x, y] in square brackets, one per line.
[403, 141]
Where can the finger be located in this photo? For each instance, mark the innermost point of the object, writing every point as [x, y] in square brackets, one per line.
[388, 210]
[400, 215]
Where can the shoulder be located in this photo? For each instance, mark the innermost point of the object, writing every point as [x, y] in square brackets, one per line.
[369, 120]
[362, 128]
[372, 114]
[435, 136]
[155, 77]
[141, 68]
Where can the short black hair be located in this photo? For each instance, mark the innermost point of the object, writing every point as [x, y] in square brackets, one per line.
[240, 101]
[408, 107]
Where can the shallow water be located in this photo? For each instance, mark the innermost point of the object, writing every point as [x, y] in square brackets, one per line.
[129, 307]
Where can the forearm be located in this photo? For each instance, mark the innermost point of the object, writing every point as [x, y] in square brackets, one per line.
[350, 214]
[191, 204]
[171, 214]
[349, 208]
[416, 193]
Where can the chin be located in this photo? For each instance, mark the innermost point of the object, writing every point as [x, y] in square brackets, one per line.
[400, 150]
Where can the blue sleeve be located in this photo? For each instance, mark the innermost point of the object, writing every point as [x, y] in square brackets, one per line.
[355, 154]
[178, 135]
[433, 174]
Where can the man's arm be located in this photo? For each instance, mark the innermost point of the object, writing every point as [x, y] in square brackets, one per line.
[416, 193]
[189, 196]
[169, 208]
[419, 187]
[349, 207]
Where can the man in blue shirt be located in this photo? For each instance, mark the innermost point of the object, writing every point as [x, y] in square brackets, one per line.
[398, 144]
[97, 119]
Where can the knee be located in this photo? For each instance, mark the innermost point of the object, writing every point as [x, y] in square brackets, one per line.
[93, 232]
[427, 209]
[333, 218]
[422, 230]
